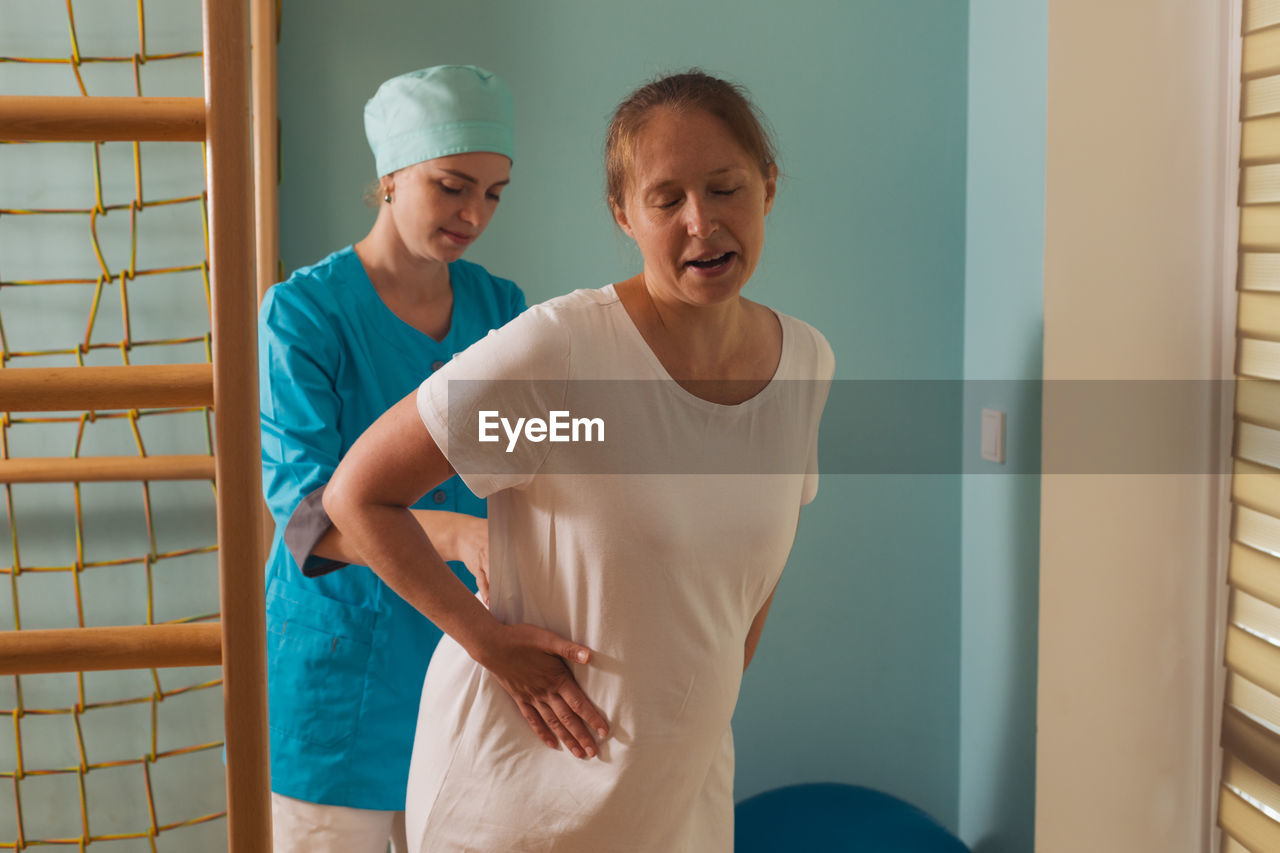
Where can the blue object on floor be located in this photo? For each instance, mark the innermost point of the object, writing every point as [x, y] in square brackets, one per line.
[827, 817]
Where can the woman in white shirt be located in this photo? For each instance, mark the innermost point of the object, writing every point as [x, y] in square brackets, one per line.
[630, 576]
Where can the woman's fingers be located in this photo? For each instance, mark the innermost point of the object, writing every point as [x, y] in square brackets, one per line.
[571, 726]
[539, 725]
[559, 728]
[565, 713]
[570, 692]
[533, 671]
[583, 709]
[478, 560]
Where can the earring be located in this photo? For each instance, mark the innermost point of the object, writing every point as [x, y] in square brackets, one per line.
[387, 198]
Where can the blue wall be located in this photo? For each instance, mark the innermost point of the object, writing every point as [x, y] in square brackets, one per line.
[857, 678]
[1003, 337]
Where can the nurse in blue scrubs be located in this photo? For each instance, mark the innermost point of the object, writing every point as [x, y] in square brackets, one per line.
[340, 342]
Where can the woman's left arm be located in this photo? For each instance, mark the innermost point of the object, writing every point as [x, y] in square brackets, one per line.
[393, 463]
[757, 628]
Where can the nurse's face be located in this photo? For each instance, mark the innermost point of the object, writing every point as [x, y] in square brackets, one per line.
[695, 205]
[441, 206]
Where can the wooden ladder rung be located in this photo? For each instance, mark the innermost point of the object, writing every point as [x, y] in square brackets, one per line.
[132, 647]
[99, 469]
[73, 118]
[73, 389]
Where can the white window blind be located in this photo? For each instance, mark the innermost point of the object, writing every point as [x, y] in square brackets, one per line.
[1249, 800]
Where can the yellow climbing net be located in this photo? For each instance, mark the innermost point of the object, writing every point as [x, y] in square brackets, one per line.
[117, 760]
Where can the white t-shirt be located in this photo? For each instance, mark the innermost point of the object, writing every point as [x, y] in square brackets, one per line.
[654, 540]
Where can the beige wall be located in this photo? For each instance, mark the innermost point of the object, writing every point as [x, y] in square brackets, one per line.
[1136, 179]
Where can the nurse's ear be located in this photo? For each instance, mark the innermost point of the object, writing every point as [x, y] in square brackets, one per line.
[770, 187]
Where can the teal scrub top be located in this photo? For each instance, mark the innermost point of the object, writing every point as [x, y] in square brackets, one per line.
[346, 656]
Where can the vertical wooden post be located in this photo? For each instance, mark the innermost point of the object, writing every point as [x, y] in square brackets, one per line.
[235, 394]
[266, 143]
[264, 37]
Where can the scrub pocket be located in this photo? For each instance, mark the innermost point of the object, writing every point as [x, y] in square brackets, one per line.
[317, 663]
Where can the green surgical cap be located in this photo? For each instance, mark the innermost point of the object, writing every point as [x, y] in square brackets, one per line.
[436, 112]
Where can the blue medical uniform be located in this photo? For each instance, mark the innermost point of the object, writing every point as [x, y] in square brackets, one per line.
[346, 656]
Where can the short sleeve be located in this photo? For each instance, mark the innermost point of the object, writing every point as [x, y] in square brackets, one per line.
[471, 404]
[825, 364]
[301, 445]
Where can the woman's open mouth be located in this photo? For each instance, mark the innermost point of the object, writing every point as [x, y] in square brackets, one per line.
[712, 265]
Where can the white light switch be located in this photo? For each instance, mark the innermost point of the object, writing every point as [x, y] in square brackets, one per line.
[993, 435]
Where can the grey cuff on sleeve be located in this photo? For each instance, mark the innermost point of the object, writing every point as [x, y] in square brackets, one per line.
[308, 523]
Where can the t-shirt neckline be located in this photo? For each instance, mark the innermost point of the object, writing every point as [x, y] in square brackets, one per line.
[656, 364]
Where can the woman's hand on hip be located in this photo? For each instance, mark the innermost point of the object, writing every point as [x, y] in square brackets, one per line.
[529, 663]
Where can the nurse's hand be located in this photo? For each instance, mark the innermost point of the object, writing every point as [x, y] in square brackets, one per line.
[471, 543]
[457, 536]
[529, 663]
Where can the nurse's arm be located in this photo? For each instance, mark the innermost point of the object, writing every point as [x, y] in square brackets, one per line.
[454, 535]
[756, 629]
[389, 468]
